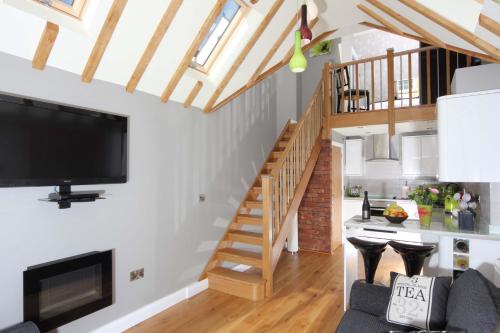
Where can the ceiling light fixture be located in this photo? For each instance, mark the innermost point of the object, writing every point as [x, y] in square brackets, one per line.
[305, 32]
[298, 63]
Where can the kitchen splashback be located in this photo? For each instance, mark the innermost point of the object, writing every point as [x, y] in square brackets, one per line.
[383, 188]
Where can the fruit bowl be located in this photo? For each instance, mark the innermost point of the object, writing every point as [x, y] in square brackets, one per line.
[396, 219]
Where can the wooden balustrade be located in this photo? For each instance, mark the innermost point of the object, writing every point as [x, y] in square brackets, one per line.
[405, 79]
[279, 188]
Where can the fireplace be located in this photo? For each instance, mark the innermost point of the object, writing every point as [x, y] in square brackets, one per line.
[62, 291]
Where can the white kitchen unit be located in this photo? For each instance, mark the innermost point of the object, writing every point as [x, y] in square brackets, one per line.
[484, 249]
[419, 155]
[354, 160]
[468, 128]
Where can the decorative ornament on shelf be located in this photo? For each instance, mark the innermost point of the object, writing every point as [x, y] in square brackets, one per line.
[305, 32]
[312, 9]
[298, 63]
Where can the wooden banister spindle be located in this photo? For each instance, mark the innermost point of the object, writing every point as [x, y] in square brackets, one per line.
[372, 72]
[357, 88]
[327, 93]
[341, 73]
[448, 73]
[390, 92]
[410, 81]
[428, 74]
[267, 243]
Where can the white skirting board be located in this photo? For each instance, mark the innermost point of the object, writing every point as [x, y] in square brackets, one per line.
[148, 311]
[138, 316]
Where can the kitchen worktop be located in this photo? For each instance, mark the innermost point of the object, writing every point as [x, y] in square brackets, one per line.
[439, 226]
[375, 199]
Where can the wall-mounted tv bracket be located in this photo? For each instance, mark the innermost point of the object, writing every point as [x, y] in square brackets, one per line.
[64, 197]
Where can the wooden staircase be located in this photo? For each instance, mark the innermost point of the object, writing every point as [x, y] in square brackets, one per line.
[257, 233]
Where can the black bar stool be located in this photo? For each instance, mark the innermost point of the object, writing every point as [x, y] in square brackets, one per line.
[371, 252]
[413, 255]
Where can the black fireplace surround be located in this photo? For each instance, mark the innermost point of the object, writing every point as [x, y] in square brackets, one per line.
[62, 291]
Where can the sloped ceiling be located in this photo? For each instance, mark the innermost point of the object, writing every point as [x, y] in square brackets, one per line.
[21, 33]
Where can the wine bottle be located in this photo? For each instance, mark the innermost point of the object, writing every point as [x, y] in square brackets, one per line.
[366, 215]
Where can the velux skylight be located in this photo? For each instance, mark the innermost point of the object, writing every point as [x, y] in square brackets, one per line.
[218, 34]
[71, 7]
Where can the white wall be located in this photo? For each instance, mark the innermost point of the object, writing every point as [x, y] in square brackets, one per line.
[477, 78]
[286, 91]
[308, 80]
[155, 220]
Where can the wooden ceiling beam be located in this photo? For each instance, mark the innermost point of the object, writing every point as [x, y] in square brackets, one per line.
[410, 24]
[379, 18]
[453, 27]
[192, 95]
[272, 70]
[243, 54]
[47, 41]
[153, 44]
[195, 44]
[423, 40]
[489, 24]
[103, 39]
[277, 44]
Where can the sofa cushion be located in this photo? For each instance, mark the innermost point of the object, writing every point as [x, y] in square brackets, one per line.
[27, 327]
[440, 292]
[472, 304]
[369, 298]
[355, 321]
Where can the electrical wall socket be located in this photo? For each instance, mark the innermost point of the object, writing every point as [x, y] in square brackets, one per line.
[202, 197]
[137, 274]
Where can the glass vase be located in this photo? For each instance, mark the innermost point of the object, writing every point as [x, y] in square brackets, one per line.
[425, 215]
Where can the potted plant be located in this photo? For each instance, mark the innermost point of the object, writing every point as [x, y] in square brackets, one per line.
[425, 197]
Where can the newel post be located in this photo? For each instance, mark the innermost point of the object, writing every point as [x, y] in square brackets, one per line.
[267, 233]
[327, 101]
[391, 117]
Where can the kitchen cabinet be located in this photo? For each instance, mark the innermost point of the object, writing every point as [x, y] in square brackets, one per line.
[468, 127]
[354, 157]
[420, 155]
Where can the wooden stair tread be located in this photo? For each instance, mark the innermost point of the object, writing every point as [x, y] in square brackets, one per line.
[242, 277]
[255, 204]
[277, 154]
[246, 237]
[240, 256]
[249, 219]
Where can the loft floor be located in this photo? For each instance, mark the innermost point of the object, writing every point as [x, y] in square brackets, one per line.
[308, 297]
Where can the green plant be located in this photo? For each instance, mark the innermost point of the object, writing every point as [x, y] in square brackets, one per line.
[425, 195]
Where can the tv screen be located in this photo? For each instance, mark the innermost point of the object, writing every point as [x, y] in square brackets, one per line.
[48, 144]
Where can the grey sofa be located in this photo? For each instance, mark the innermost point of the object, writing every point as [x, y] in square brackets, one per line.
[27, 327]
[473, 306]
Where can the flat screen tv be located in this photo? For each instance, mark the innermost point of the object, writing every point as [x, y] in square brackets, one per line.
[44, 144]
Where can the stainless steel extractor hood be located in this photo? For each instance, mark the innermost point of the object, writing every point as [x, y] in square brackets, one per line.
[382, 148]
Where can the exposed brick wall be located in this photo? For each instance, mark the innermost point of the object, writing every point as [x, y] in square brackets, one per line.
[315, 211]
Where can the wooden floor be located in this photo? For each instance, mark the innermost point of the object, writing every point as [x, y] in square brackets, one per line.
[308, 297]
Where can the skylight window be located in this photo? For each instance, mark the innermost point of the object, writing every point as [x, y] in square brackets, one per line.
[218, 35]
[71, 7]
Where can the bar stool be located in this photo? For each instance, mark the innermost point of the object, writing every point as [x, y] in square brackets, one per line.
[371, 252]
[413, 255]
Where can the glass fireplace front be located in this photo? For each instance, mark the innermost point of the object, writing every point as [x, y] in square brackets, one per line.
[62, 291]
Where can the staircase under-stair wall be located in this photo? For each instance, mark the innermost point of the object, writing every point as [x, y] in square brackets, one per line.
[257, 233]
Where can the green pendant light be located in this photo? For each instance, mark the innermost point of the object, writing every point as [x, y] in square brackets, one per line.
[298, 63]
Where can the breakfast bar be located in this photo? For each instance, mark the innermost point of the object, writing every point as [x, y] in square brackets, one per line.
[477, 249]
